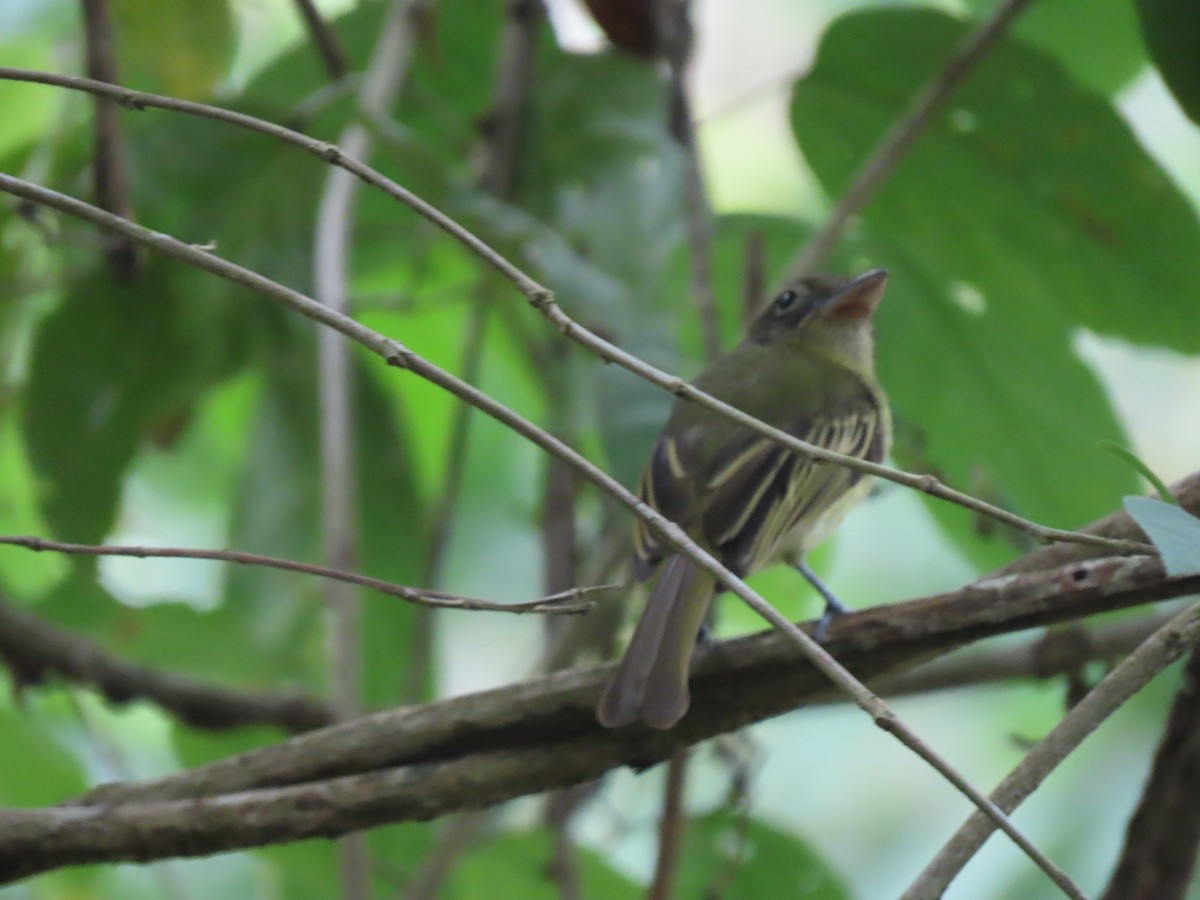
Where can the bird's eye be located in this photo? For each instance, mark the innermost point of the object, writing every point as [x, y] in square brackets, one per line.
[785, 301]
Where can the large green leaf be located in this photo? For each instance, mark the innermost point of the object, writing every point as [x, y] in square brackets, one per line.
[114, 365]
[176, 47]
[1024, 213]
[728, 854]
[521, 863]
[37, 770]
[1169, 27]
[1029, 188]
[1097, 42]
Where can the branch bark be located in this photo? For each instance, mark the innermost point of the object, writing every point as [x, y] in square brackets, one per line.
[473, 751]
[735, 683]
[1160, 846]
[1135, 672]
[35, 651]
[110, 180]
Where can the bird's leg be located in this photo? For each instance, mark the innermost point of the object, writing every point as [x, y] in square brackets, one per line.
[833, 606]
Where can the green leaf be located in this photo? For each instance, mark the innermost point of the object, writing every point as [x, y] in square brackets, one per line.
[1023, 213]
[1173, 40]
[1138, 465]
[521, 863]
[28, 108]
[37, 771]
[177, 47]
[1096, 42]
[1029, 193]
[1174, 531]
[114, 365]
[733, 856]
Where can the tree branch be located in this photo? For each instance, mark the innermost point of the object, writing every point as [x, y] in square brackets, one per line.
[676, 39]
[734, 683]
[564, 602]
[482, 749]
[110, 181]
[35, 651]
[329, 48]
[542, 299]
[400, 356]
[1160, 844]
[894, 145]
[1165, 646]
[340, 508]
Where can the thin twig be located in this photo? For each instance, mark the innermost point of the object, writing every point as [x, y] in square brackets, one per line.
[542, 299]
[1061, 651]
[894, 145]
[1161, 840]
[676, 38]
[456, 837]
[325, 38]
[35, 651]
[340, 507]
[1130, 676]
[110, 180]
[670, 829]
[565, 602]
[166, 877]
[417, 676]
[396, 354]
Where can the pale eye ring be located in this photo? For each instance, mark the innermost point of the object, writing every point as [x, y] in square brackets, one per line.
[785, 301]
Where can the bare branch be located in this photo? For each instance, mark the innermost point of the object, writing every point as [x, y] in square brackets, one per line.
[1061, 651]
[671, 824]
[734, 683]
[111, 183]
[340, 508]
[1117, 526]
[35, 651]
[542, 299]
[398, 355]
[1165, 646]
[325, 38]
[676, 38]
[564, 602]
[894, 145]
[1161, 841]
[483, 749]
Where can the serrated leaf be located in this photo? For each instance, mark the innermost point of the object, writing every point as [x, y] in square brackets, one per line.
[1174, 531]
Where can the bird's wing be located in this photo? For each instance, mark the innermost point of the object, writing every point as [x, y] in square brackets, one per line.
[752, 508]
[743, 498]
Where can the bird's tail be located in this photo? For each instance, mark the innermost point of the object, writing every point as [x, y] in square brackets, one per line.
[651, 683]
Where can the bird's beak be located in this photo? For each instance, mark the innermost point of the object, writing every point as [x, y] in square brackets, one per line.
[858, 298]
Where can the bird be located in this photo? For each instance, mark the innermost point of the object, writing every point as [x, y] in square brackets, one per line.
[806, 365]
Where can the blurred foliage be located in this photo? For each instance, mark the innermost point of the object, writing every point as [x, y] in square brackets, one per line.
[183, 409]
[1174, 44]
